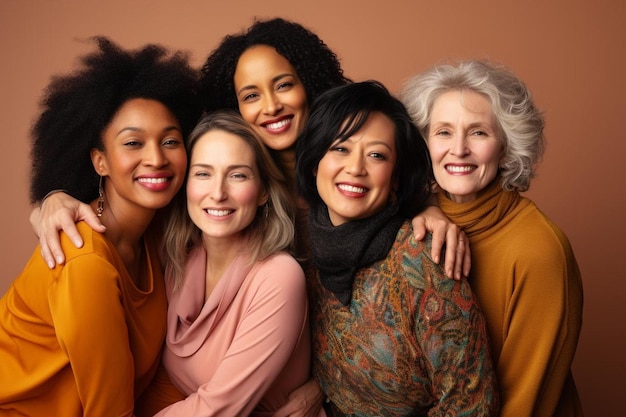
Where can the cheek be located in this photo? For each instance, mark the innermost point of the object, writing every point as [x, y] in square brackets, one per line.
[179, 160]
[385, 176]
[195, 191]
[323, 173]
[248, 112]
[250, 196]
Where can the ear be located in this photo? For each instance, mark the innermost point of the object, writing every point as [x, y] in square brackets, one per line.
[263, 198]
[99, 162]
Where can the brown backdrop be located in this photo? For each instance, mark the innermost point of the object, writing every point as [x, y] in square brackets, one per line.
[569, 52]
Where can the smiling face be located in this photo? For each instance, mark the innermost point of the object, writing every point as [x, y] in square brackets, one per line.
[355, 177]
[271, 97]
[224, 189]
[464, 144]
[144, 159]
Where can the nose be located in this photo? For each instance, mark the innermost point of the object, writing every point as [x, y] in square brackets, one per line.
[218, 190]
[459, 146]
[271, 104]
[154, 154]
[355, 165]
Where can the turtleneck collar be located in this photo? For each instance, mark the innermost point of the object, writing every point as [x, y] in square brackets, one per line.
[492, 204]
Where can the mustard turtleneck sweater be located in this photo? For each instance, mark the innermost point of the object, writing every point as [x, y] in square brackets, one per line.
[527, 281]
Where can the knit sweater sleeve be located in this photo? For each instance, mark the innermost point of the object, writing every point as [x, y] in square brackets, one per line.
[542, 322]
[451, 328]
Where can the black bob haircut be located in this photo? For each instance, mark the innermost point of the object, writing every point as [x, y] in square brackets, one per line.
[338, 114]
[316, 65]
[77, 108]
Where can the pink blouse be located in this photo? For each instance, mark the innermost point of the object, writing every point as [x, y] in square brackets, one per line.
[245, 349]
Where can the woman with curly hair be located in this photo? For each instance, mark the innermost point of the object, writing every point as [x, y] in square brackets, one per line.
[485, 137]
[85, 338]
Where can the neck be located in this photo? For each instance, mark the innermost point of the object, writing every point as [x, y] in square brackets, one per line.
[220, 253]
[125, 227]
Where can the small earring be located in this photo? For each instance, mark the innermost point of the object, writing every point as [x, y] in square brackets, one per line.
[266, 209]
[100, 208]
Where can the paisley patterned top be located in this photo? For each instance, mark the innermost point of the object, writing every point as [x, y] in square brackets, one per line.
[411, 342]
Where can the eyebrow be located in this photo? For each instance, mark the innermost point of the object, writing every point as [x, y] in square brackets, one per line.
[229, 167]
[374, 142]
[137, 129]
[274, 79]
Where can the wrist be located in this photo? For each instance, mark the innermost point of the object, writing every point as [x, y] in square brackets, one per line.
[58, 190]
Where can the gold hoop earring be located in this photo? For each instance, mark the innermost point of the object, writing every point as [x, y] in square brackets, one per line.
[100, 207]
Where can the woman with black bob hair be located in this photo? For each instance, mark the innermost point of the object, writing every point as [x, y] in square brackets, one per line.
[391, 334]
[344, 112]
[85, 338]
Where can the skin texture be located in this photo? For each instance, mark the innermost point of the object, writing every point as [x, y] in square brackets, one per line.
[355, 176]
[463, 143]
[271, 97]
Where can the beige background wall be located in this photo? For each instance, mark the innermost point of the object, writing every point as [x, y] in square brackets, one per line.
[570, 53]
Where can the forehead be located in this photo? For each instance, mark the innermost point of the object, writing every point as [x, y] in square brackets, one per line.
[218, 147]
[467, 102]
[378, 127]
[261, 61]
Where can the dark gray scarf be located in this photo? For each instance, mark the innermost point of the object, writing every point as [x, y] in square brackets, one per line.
[339, 252]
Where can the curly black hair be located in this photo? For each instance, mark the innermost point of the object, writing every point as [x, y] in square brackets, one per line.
[316, 65]
[76, 109]
[342, 111]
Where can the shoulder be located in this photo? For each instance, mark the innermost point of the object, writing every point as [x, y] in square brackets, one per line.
[407, 244]
[276, 275]
[93, 243]
[538, 238]
[411, 261]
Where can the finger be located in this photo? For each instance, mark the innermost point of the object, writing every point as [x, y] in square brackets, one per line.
[47, 255]
[467, 261]
[52, 243]
[69, 227]
[452, 243]
[460, 256]
[438, 241]
[91, 219]
[419, 228]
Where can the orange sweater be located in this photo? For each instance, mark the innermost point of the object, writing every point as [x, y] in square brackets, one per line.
[525, 276]
[81, 339]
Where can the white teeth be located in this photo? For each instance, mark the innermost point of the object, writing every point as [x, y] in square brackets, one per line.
[459, 169]
[159, 180]
[278, 125]
[219, 213]
[351, 189]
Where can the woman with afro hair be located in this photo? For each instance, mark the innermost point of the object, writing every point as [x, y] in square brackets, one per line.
[85, 338]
